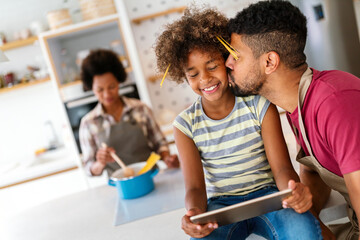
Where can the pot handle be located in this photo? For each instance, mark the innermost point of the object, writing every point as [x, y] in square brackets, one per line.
[153, 174]
[111, 183]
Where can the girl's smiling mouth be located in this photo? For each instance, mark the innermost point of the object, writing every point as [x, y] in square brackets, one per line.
[211, 89]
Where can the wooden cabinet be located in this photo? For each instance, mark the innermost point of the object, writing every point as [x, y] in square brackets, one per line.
[64, 49]
[15, 45]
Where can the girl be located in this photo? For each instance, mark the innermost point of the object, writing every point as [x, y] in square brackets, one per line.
[231, 148]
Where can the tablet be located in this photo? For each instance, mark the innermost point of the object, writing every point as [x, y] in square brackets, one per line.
[244, 210]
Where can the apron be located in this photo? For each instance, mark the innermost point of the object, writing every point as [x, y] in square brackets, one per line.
[129, 142]
[351, 231]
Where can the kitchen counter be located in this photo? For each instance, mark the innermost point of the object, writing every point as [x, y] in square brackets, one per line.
[88, 215]
[48, 163]
[92, 214]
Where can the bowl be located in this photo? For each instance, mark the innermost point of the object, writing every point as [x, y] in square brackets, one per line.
[135, 186]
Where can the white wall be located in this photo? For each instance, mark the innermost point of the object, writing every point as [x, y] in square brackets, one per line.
[23, 113]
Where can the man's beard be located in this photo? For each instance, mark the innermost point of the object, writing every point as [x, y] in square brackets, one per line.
[247, 90]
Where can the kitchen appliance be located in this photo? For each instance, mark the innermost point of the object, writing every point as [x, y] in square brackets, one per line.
[78, 107]
[135, 186]
[333, 38]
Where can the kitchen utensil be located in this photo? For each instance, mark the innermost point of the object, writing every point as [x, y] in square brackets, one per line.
[150, 162]
[128, 172]
[135, 186]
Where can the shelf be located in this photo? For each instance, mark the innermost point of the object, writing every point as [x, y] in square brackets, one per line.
[154, 78]
[83, 27]
[172, 10]
[76, 82]
[23, 85]
[19, 43]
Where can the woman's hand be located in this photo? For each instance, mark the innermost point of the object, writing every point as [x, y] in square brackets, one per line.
[196, 230]
[300, 199]
[172, 161]
[103, 155]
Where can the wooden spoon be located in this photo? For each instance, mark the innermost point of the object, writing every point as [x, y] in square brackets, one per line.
[128, 172]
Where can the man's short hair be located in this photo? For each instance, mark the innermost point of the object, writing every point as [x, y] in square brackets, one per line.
[273, 26]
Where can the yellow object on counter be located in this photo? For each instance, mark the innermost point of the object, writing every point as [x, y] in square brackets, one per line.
[40, 151]
[150, 162]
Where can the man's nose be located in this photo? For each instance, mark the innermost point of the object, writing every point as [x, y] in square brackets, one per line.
[229, 62]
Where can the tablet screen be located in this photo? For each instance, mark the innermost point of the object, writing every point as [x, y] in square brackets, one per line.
[244, 210]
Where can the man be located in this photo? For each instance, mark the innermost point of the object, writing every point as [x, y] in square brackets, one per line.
[269, 39]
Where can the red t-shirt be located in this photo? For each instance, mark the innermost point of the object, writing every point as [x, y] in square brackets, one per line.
[331, 114]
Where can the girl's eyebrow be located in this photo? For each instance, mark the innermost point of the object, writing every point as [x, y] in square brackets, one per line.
[208, 62]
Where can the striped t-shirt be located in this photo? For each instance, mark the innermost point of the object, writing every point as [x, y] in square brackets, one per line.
[231, 149]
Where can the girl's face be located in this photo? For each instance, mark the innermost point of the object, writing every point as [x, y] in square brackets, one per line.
[106, 89]
[206, 74]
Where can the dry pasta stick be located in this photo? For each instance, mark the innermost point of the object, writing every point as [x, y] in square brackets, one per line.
[162, 81]
[228, 44]
[228, 48]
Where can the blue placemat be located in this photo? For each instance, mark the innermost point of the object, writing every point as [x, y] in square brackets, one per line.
[168, 195]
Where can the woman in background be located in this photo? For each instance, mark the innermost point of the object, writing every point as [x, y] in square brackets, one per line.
[126, 125]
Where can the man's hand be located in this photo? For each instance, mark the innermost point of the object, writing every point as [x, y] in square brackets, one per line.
[300, 199]
[196, 230]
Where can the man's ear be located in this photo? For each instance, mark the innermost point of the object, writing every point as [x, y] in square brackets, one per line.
[272, 62]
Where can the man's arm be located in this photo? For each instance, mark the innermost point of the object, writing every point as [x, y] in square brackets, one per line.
[320, 192]
[318, 188]
[352, 181]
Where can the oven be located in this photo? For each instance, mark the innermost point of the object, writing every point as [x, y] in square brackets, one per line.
[77, 108]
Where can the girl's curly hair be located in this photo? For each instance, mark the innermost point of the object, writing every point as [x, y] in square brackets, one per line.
[194, 30]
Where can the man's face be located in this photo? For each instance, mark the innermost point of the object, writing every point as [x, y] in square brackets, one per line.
[244, 74]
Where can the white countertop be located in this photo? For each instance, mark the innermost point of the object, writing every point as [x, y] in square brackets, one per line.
[88, 215]
[34, 167]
